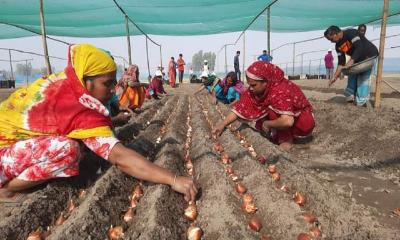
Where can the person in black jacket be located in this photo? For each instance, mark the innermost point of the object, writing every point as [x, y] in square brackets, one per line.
[349, 42]
[362, 29]
[236, 65]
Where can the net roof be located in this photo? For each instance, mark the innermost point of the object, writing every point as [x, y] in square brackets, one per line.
[103, 18]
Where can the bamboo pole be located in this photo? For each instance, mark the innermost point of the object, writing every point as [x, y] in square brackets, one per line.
[269, 30]
[226, 63]
[160, 59]
[44, 40]
[128, 38]
[301, 70]
[244, 52]
[26, 68]
[147, 56]
[381, 54]
[319, 67]
[294, 56]
[11, 67]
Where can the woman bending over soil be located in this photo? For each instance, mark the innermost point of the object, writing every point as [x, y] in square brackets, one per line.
[43, 128]
[277, 105]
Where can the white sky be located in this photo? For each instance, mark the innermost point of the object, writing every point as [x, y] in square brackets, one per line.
[173, 45]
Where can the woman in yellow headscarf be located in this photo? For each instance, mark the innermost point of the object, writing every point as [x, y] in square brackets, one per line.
[41, 127]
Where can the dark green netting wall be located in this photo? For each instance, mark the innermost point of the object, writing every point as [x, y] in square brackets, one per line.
[102, 18]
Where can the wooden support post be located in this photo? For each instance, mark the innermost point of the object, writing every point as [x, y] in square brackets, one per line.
[294, 56]
[26, 68]
[381, 54]
[147, 55]
[319, 67]
[161, 59]
[301, 70]
[11, 67]
[226, 63]
[128, 38]
[244, 52]
[269, 30]
[44, 38]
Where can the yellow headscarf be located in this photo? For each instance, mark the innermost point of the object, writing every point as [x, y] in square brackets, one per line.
[29, 112]
[88, 60]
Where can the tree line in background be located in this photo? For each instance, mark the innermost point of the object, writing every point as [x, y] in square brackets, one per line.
[198, 60]
[24, 69]
[27, 70]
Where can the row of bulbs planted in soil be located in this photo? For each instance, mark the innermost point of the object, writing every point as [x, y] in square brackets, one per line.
[248, 204]
[193, 232]
[40, 234]
[117, 232]
[315, 228]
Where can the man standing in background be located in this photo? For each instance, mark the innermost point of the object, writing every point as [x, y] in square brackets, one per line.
[265, 57]
[329, 64]
[236, 65]
[362, 29]
[181, 67]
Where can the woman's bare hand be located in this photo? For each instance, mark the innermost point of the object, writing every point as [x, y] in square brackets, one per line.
[185, 186]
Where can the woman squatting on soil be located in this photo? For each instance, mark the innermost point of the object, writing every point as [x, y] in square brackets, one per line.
[208, 82]
[43, 128]
[277, 105]
[156, 88]
[228, 90]
[131, 93]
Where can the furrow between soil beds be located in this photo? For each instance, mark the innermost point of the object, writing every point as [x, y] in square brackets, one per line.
[160, 212]
[45, 205]
[339, 217]
[269, 199]
[108, 199]
[220, 215]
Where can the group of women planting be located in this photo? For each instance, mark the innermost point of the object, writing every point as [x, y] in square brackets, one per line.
[45, 126]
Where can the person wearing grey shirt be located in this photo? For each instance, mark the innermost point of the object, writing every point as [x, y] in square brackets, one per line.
[236, 65]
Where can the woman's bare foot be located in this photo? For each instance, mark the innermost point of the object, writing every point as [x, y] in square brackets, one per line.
[9, 197]
[286, 146]
[4, 193]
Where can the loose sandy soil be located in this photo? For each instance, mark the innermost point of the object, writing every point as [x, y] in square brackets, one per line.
[349, 173]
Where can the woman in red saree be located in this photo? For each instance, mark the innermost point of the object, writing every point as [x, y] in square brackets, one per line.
[44, 126]
[156, 87]
[277, 105]
[172, 72]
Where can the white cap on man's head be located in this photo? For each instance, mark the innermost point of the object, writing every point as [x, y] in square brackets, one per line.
[205, 61]
[158, 73]
[204, 74]
[330, 50]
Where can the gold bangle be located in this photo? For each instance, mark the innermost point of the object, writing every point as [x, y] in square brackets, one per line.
[173, 184]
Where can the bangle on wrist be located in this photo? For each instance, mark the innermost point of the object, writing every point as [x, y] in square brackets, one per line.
[174, 181]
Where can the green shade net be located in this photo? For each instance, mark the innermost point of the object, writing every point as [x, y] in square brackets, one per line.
[102, 18]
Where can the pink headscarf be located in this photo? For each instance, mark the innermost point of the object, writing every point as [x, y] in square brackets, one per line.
[237, 85]
[131, 74]
[129, 77]
[281, 95]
